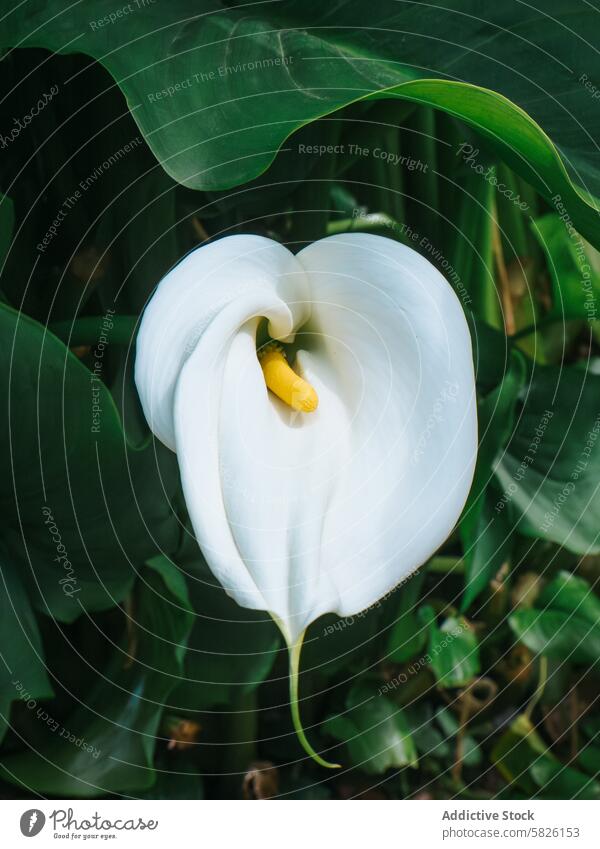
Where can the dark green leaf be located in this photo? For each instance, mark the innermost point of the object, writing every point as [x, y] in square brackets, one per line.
[407, 636]
[495, 413]
[491, 353]
[77, 503]
[518, 750]
[483, 527]
[491, 545]
[202, 107]
[430, 741]
[453, 649]
[375, 731]
[565, 623]
[589, 759]
[574, 269]
[558, 781]
[551, 467]
[557, 634]
[107, 744]
[571, 594]
[22, 668]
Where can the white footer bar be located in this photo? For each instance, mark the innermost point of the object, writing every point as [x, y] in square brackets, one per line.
[290, 825]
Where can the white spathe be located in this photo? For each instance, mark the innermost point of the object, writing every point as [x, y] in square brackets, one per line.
[302, 514]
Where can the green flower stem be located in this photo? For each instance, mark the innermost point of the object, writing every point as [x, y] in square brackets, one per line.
[294, 655]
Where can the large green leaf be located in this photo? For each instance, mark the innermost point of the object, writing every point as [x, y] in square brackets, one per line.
[551, 468]
[77, 503]
[22, 668]
[217, 90]
[107, 744]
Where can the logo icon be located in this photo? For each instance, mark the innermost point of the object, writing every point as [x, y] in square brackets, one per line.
[32, 822]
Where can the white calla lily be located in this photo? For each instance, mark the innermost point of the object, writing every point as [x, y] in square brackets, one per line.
[304, 513]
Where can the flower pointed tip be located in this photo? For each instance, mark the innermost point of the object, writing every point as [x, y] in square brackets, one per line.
[326, 764]
[306, 745]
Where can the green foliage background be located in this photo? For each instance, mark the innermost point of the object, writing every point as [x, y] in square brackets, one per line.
[466, 131]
